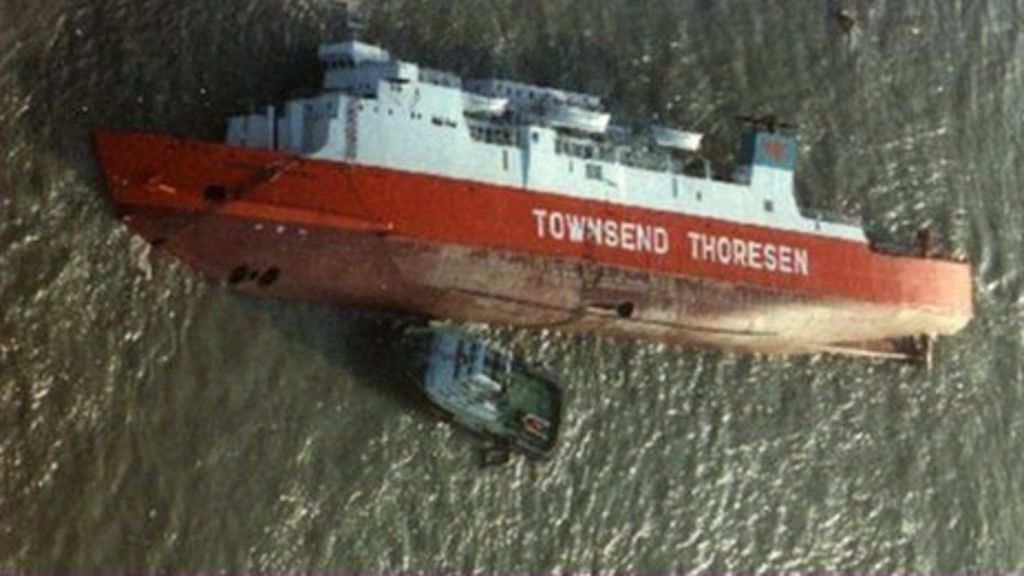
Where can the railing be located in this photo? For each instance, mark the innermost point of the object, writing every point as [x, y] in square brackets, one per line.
[830, 216]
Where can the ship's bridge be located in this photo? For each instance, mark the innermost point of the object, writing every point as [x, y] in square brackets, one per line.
[359, 68]
[352, 53]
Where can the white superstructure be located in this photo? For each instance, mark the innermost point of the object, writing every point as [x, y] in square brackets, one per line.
[379, 111]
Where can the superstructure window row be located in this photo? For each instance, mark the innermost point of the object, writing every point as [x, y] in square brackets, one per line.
[439, 121]
[494, 135]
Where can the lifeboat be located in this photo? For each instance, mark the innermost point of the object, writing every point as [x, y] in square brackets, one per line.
[676, 139]
[576, 118]
[474, 103]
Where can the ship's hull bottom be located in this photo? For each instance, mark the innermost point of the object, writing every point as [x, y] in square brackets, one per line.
[377, 270]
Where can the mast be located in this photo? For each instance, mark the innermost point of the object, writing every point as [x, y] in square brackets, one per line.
[350, 25]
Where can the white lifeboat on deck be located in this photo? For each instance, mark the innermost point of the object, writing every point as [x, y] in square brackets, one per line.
[676, 139]
[479, 104]
[576, 118]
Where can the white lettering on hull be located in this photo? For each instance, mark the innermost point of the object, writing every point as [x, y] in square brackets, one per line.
[728, 251]
[611, 233]
[647, 238]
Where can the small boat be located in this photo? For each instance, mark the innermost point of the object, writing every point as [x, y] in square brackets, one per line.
[487, 391]
[480, 104]
[572, 117]
[676, 139]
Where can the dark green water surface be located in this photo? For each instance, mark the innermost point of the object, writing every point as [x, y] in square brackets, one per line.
[152, 421]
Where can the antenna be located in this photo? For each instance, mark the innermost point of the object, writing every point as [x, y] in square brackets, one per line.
[352, 24]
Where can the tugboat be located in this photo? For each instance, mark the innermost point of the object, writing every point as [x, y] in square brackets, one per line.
[485, 390]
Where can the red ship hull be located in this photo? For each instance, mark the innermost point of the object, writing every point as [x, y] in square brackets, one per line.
[280, 226]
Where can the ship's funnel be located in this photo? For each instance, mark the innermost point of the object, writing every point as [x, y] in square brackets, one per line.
[766, 149]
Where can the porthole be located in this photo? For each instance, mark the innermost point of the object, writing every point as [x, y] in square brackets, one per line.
[239, 274]
[269, 276]
[215, 193]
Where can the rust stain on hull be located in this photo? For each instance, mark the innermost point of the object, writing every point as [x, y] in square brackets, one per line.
[384, 272]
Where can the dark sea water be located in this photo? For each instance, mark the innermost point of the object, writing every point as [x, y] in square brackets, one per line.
[152, 421]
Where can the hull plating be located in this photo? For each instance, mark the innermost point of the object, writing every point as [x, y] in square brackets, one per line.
[418, 243]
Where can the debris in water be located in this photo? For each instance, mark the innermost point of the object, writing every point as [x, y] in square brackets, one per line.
[845, 20]
[139, 249]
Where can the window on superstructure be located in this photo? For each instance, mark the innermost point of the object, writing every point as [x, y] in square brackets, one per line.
[504, 160]
[594, 172]
[769, 206]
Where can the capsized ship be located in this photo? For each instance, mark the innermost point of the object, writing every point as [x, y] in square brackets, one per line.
[411, 189]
